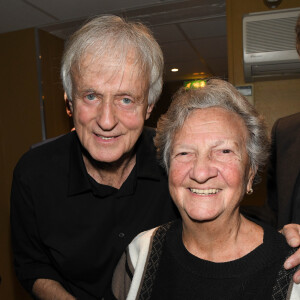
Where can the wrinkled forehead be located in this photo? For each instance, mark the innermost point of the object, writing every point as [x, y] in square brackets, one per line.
[215, 121]
[112, 63]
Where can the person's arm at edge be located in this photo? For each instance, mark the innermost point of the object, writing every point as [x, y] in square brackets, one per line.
[47, 289]
[292, 235]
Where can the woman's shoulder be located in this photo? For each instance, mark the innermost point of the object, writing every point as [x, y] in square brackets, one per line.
[142, 244]
[143, 238]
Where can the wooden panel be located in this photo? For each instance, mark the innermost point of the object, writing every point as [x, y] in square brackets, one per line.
[56, 120]
[20, 126]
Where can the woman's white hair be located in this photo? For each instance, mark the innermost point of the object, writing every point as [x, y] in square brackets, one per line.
[114, 38]
[217, 93]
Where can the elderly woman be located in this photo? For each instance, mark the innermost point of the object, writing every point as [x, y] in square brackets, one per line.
[212, 143]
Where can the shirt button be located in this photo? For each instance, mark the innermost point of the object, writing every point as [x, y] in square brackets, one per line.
[121, 234]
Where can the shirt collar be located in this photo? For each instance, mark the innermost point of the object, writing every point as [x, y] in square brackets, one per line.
[146, 164]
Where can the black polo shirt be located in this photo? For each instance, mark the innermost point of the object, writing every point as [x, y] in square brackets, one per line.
[67, 227]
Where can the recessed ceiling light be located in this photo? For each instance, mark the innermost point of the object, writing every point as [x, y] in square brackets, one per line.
[174, 70]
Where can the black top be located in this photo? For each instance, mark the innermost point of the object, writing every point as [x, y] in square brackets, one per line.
[69, 228]
[182, 275]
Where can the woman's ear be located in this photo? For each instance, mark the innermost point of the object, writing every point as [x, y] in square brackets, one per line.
[251, 177]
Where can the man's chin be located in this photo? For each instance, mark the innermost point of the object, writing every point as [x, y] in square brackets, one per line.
[112, 158]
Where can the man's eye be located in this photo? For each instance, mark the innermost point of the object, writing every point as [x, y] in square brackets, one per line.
[182, 154]
[90, 97]
[126, 101]
[225, 151]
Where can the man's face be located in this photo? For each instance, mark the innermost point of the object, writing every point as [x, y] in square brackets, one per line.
[109, 108]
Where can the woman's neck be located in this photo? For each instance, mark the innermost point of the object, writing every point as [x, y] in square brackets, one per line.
[222, 240]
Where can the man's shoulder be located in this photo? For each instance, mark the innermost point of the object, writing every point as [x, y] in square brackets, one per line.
[46, 153]
[47, 141]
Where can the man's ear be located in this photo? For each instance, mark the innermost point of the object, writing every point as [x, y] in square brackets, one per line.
[149, 110]
[69, 105]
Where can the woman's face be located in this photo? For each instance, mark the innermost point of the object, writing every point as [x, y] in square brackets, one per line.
[209, 165]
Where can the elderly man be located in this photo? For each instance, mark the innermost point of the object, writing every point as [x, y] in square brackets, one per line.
[79, 200]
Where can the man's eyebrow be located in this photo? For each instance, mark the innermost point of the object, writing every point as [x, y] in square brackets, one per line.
[87, 90]
[125, 93]
[118, 93]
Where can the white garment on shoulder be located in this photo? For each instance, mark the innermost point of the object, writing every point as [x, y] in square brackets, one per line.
[138, 251]
[295, 294]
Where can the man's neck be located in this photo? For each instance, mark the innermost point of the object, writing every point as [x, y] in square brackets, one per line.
[113, 174]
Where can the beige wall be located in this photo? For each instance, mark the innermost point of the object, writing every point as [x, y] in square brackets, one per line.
[275, 98]
[272, 98]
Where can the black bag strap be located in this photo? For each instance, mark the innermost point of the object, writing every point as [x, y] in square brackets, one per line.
[153, 261]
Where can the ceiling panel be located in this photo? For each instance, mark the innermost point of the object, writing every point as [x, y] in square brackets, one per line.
[192, 33]
[16, 15]
[70, 9]
[212, 47]
[167, 33]
[178, 52]
[179, 11]
[205, 28]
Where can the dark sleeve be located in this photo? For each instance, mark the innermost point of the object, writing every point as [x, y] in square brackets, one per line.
[30, 258]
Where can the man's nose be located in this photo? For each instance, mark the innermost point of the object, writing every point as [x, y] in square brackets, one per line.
[203, 169]
[106, 117]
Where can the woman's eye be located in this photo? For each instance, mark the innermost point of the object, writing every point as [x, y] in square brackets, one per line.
[184, 156]
[126, 101]
[182, 153]
[90, 97]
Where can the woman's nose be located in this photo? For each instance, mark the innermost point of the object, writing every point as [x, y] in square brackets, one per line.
[203, 169]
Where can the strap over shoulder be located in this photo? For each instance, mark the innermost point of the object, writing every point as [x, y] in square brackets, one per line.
[153, 261]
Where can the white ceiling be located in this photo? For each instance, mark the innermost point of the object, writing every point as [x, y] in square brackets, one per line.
[192, 33]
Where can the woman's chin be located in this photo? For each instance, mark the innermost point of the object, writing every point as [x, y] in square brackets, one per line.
[203, 216]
